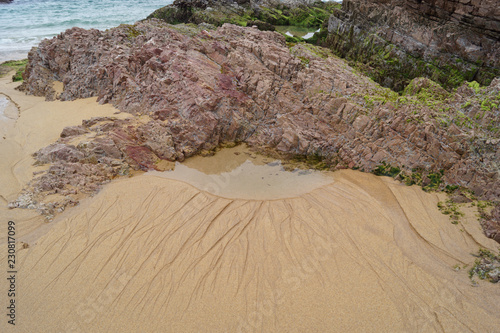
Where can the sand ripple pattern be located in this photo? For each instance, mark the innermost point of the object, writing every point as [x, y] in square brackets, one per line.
[156, 255]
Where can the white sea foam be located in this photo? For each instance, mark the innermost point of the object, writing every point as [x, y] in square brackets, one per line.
[24, 23]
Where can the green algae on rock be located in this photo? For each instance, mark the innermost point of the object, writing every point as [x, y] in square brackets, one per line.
[394, 41]
[244, 13]
[486, 266]
[17, 65]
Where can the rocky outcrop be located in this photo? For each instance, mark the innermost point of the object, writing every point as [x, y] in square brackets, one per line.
[264, 13]
[491, 224]
[447, 41]
[482, 16]
[189, 90]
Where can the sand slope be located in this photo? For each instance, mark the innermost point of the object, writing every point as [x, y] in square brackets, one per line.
[29, 125]
[156, 255]
[149, 254]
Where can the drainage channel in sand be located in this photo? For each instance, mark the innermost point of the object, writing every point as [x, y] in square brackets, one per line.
[152, 254]
[209, 251]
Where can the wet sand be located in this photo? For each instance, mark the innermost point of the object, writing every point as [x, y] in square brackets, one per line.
[352, 252]
[238, 173]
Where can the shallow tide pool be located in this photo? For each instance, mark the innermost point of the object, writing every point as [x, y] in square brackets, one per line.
[238, 173]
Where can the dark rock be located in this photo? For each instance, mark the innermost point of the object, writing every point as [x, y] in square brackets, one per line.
[448, 41]
[264, 26]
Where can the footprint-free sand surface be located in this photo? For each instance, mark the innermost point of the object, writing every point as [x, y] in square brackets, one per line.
[208, 248]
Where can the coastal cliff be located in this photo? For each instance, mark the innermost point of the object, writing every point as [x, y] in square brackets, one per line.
[396, 41]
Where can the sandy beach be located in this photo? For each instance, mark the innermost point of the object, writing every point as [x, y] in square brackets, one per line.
[350, 251]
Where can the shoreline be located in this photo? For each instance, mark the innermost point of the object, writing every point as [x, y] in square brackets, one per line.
[24, 24]
[165, 202]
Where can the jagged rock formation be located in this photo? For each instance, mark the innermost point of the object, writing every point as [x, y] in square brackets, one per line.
[482, 16]
[307, 13]
[447, 41]
[191, 90]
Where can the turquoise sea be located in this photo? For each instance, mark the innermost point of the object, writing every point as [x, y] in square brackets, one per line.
[24, 23]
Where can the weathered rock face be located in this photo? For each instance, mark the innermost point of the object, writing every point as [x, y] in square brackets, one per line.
[447, 41]
[190, 90]
[263, 13]
[483, 16]
[491, 225]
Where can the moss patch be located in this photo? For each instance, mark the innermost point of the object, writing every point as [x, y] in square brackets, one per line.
[386, 169]
[17, 65]
[302, 16]
[450, 208]
[430, 181]
[132, 31]
[486, 266]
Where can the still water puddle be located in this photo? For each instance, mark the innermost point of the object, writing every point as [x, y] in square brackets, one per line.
[238, 173]
[294, 31]
[8, 110]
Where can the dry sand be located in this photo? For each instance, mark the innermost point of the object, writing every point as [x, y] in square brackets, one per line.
[28, 124]
[150, 254]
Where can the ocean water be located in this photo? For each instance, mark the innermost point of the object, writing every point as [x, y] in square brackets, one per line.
[24, 23]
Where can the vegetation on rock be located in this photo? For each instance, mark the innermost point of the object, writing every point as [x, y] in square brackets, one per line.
[264, 17]
[486, 266]
[393, 42]
[17, 65]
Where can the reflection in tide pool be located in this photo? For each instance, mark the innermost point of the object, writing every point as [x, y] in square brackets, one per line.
[247, 178]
